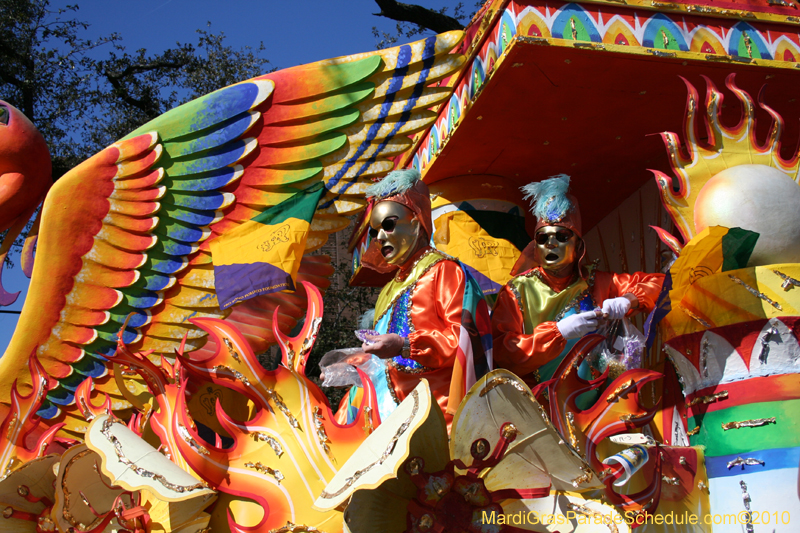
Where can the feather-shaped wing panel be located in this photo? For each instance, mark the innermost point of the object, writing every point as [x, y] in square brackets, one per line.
[130, 231]
[125, 236]
[82, 263]
[342, 132]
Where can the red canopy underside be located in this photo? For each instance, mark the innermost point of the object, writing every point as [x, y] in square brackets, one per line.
[595, 116]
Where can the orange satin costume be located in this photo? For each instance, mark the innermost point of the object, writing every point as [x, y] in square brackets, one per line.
[434, 315]
[524, 330]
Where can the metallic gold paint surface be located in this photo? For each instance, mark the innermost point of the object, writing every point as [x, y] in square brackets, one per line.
[403, 238]
[554, 255]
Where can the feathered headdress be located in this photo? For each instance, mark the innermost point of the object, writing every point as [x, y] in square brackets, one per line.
[552, 205]
[404, 187]
[549, 199]
[367, 320]
[395, 182]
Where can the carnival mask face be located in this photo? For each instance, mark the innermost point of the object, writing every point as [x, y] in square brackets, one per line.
[556, 248]
[396, 228]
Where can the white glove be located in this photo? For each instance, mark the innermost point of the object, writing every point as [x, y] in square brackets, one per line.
[616, 308]
[577, 325]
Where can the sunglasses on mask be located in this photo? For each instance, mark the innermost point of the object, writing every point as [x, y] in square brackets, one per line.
[387, 225]
[562, 236]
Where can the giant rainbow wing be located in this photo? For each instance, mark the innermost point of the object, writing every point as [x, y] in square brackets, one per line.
[128, 231]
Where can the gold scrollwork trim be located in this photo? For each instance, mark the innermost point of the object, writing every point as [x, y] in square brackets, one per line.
[277, 399]
[386, 452]
[754, 423]
[497, 382]
[235, 373]
[788, 281]
[322, 435]
[295, 528]
[622, 389]
[188, 439]
[755, 292]
[231, 350]
[708, 399]
[630, 417]
[106, 432]
[272, 441]
[573, 436]
[264, 469]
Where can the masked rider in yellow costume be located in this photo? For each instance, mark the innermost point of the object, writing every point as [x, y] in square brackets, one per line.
[431, 319]
[556, 300]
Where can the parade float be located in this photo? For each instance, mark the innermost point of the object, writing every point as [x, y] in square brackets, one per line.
[161, 266]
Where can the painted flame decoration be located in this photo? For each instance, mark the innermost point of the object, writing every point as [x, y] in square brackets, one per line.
[703, 162]
[162, 383]
[616, 411]
[291, 410]
[21, 423]
[84, 401]
[36, 488]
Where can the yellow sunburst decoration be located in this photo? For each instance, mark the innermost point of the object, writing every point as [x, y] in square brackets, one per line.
[727, 148]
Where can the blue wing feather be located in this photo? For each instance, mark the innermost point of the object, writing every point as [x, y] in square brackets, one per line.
[140, 298]
[215, 159]
[188, 233]
[224, 133]
[205, 201]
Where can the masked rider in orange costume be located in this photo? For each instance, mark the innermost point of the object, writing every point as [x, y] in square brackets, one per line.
[432, 320]
[556, 300]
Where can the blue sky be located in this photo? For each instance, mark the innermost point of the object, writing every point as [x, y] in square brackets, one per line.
[293, 33]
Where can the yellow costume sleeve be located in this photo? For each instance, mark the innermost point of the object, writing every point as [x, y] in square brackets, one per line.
[513, 349]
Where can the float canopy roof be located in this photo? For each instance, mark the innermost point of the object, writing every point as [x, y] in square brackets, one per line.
[596, 116]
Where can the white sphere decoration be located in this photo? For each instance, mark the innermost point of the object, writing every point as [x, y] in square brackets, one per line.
[757, 198]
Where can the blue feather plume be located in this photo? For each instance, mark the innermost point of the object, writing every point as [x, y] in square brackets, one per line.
[367, 320]
[395, 182]
[549, 198]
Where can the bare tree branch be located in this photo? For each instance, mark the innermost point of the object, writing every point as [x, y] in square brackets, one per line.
[422, 16]
[146, 67]
[116, 80]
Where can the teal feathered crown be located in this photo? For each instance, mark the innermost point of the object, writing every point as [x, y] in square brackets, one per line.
[395, 182]
[549, 199]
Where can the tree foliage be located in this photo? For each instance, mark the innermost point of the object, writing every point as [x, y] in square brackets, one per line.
[142, 86]
[84, 94]
[46, 71]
